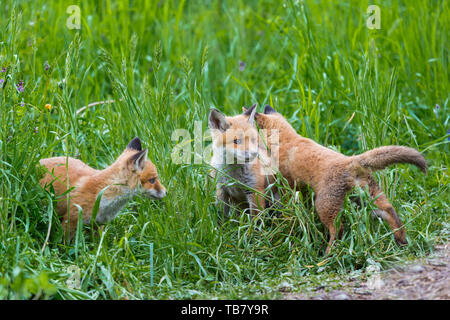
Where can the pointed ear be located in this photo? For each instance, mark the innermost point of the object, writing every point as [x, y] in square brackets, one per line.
[138, 160]
[135, 144]
[268, 109]
[244, 109]
[251, 112]
[217, 120]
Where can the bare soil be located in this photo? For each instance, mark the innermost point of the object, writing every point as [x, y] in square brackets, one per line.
[423, 279]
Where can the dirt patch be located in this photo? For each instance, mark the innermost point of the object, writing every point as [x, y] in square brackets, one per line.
[427, 278]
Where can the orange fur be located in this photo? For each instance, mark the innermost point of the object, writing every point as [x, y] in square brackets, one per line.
[130, 173]
[237, 139]
[332, 175]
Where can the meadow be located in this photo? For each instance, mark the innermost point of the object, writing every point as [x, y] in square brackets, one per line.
[165, 64]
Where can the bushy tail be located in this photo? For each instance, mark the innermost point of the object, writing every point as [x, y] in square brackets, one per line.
[380, 158]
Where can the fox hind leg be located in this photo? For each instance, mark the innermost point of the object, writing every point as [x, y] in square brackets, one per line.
[386, 211]
[328, 203]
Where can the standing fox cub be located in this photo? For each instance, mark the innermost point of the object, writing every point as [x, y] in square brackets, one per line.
[332, 175]
[129, 174]
[238, 155]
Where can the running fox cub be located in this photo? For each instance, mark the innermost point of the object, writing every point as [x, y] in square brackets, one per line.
[129, 174]
[332, 175]
[238, 155]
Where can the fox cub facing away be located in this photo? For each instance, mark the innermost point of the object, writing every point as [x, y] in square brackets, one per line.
[238, 155]
[332, 175]
[129, 174]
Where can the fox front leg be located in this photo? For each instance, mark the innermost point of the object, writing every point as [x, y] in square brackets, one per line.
[255, 202]
[221, 196]
[226, 209]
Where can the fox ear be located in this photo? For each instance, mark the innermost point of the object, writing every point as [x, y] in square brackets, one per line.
[138, 160]
[217, 120]
[251, 112]
[135, 144]
[268, 109]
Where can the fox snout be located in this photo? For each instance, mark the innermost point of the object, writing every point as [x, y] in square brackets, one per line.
[161, 193]
[241, 156]
[156, 193]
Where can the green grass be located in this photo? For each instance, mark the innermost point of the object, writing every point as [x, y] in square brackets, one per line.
[165, 63]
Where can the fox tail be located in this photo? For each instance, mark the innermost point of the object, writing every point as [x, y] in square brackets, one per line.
[380, 158]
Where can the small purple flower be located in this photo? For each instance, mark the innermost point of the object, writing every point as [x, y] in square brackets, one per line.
[242, 65]
[46, 66]
[448, 132]
[1, 82]
[19, 87]
[436, 110]
[4, 69]
[36, 129]
[22, 104]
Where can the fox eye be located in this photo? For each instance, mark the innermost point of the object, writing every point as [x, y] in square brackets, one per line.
[152, 180]
[237, 141]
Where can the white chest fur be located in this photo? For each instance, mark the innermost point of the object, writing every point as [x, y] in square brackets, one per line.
[110, 208]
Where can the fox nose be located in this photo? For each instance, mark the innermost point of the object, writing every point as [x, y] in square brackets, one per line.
[163, 193]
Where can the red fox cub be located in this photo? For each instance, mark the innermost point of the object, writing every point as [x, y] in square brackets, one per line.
[238, 155]
[332, 175]
[129, 174]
